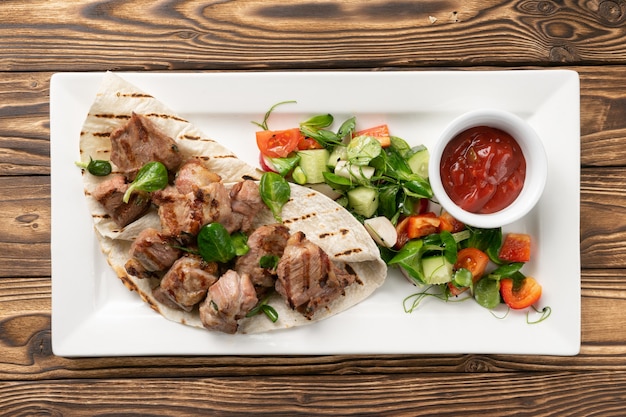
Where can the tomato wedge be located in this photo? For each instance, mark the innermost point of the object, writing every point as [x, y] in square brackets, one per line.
[421, 225]
[515, 248]
[522, 294]
[449, 223]
[380, 132]
[416, 226]
[308, 143]
[474, 260]
[278, 143]
[456, 291]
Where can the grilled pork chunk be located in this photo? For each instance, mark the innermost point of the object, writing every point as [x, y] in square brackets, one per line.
[269, 240]
[186, 283]
[151, 253]
[245, 202]
[110, 193]
[228, 301]
[175, 211]
[193, 175]
[184, 214]
[307, 278]
[139, 142]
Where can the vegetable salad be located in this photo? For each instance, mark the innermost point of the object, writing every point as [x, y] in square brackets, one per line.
[383, 181]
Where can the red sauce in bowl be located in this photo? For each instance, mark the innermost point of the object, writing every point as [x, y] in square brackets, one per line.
[483, 169]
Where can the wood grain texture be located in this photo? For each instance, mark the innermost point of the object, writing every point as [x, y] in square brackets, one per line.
[44, 35]
[25, 226]
[603, 217]
[603, 115]
[519, 394]
[40, 37]
[24, 123]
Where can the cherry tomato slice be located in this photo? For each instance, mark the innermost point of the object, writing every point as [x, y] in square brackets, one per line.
[474, 260]
[416, 226]
[381, 133]
[278, 143]
[449, 223]
[520, 295]
[308, 143]
[421, 225]
[515, 248]
[456, 291]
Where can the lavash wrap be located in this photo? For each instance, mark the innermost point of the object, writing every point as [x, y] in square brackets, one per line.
[322, 220]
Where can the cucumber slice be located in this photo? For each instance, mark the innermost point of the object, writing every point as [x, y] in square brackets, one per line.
[299, 176]
[437, 270]
[313, 163]
[338, 154]
[418, 162]
[363, 200]
[359, 173]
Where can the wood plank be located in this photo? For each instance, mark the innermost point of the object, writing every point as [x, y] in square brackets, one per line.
[25, 345]
[537, 394]
[24, 123]
[603, 217]
[39, 37]
[602, 121]
[25, 221]
[260, 34]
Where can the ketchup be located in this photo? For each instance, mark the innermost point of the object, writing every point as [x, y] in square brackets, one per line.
[483, 169]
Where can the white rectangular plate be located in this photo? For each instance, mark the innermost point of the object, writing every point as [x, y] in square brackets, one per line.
[93, 314]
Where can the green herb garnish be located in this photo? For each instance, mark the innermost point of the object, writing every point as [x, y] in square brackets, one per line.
[97, 167]
[215, 243]
[151, 177]
[275, 192]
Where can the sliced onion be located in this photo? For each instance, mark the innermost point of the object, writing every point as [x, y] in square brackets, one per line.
[382, 231]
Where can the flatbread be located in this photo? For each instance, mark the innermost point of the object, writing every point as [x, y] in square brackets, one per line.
[322, 220]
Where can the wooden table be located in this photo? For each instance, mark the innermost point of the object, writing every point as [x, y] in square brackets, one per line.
[41, 37]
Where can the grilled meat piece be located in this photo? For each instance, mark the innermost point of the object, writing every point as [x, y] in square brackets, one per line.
[110, 192]
[151, 252]
[138, 142]
[246, 202]
[228, 301]
[270, 240]
[184, 214]
[193, 175]
[307, 278]
[174, 211]
[186, 283]
[164, 298]
[135, 268]
[213, 201]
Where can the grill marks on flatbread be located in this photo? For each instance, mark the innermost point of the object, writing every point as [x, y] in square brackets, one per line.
[124, 98]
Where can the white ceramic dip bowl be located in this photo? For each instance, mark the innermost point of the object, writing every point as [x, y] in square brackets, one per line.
[534, 155]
